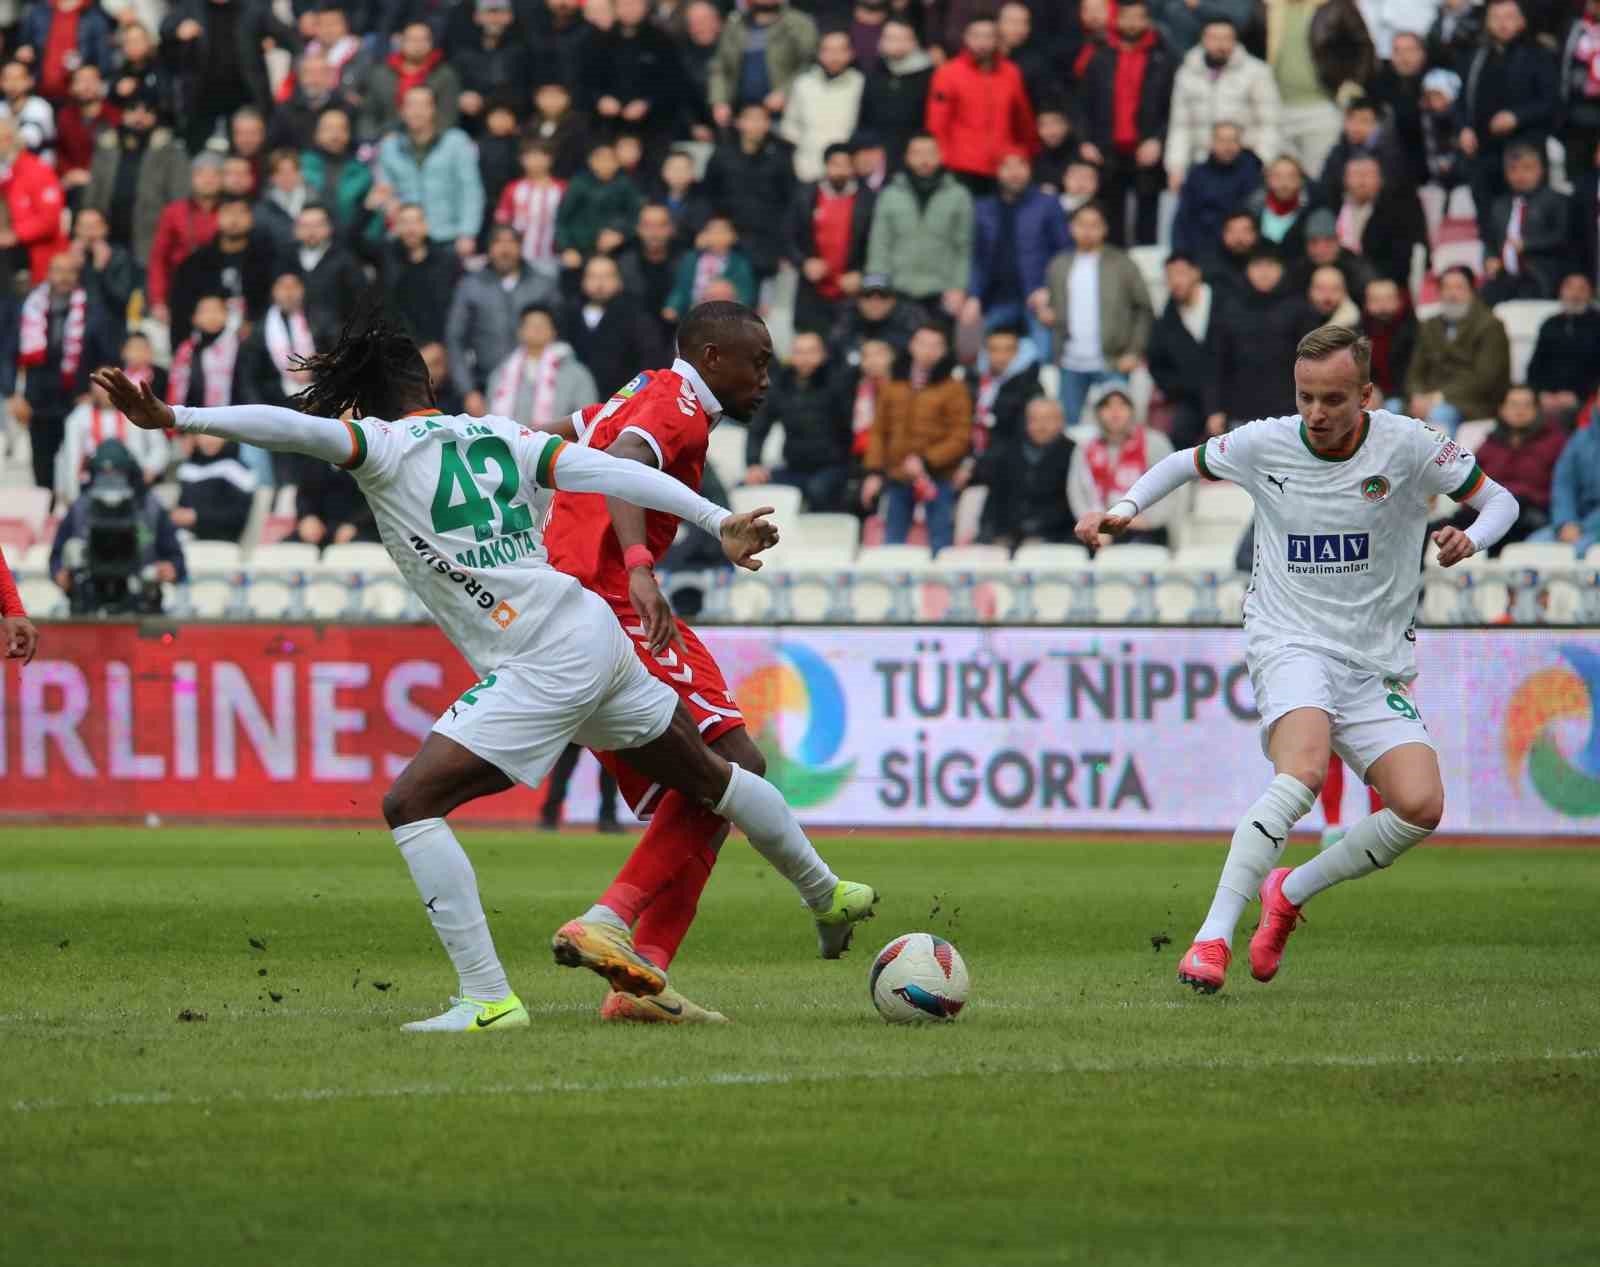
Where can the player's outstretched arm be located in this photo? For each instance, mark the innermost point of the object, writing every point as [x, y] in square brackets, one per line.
[581, 470]
[1166, 476]
[1497, 511]
[265, 426]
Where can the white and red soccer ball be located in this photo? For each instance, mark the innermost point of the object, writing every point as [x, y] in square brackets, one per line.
[918, 977]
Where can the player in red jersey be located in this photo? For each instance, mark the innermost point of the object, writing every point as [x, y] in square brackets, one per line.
[17, 634]
[663, 418]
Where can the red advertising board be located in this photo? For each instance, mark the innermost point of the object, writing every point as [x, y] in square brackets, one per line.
[237, 721]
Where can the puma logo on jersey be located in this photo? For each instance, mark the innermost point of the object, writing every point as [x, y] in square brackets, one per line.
[1279, 484]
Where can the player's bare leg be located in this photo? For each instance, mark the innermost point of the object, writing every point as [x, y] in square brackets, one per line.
[1407, 778]
[1299, 746]
[440, 778]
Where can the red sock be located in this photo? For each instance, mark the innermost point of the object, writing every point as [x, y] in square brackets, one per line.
[1333, 792]
[1374, 801]
[665, 922]
[677, 830]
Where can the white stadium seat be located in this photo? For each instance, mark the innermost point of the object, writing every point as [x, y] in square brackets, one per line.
[783, 498]
[1522, 319]
[836, 534]
[1220, 502]
[1132, 558]
[903, 558]
[1042, 557]
[1205, 558]
[285, 555]
[1531, 554]
[211, 594]
[213, 556]
[973, 559]
[1151, 262]
[37, 557]
[969, 513]
[41, 597]
[359, 556]
[30, 504]
[725, 453]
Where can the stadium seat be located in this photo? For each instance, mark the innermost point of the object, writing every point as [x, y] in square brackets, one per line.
[753, 599]
[837, 535]
[212, 594]
[1044, 557]
[771, 448]
[1132, 558]
[818, 590]
[1220, 502]
[285, 555]
[969, 513]
[41, 596]
[1539, 554]
[386, 597]
[1204, 558]
[1151, 262]
[16, 535]
[211, 555]
[37, 557]
[783, 498]
[725, 453]
[1449, 254]
[29, 504]
[1522, 319]
[906, 558]
[359, 556]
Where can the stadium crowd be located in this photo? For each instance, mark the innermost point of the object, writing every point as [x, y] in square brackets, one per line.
[1032, 245]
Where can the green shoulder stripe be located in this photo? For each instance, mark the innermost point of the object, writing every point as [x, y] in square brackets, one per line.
[358, 446]
[1200, 462]
[1470, 485]
[544, 470]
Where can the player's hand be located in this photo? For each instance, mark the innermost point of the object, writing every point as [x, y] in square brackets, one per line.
[1454, 545]
[745, 536]
[21, 638]
[655, 612]
[1097, 524]
[135, 401]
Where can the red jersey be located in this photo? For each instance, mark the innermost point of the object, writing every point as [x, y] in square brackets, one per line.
[668, 410]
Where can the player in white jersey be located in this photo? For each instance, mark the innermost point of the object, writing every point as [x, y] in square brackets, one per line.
[1341, 498]
[459, 502]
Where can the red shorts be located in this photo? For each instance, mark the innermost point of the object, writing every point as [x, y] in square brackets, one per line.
[694, 675]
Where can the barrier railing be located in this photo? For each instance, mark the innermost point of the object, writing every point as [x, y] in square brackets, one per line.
[1487, 594]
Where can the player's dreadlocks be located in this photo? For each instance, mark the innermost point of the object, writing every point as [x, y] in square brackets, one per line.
[374, 369]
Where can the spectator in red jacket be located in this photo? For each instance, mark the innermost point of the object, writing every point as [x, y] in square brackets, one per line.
[978, 109]
[1521, 453]
[185, 225]
[79, 124]
[33, 201]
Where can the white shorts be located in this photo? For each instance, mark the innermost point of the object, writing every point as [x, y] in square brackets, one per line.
[1370, 714]
[584, 684]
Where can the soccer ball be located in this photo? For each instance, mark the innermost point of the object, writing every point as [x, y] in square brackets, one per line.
[918, 977]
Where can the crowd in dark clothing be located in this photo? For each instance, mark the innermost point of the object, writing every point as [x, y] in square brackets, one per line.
[962, 167]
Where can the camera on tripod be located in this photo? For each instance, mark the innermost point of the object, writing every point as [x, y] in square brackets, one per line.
[107, 576]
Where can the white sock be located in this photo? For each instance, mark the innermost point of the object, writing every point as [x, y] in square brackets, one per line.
[758, 809]
[449, 890]
[1371, 845]
[599, 914]
[1257, 844]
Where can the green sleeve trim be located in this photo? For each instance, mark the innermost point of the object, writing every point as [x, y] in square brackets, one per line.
[1470, 485]
[358, 446]
[544, 470]
[1200, 462]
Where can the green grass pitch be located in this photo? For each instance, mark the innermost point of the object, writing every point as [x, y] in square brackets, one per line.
[1421, 1085]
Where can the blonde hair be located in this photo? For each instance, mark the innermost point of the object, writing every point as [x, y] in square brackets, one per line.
[1326, 341]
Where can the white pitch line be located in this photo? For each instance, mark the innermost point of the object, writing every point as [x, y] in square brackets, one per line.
[429, 1091]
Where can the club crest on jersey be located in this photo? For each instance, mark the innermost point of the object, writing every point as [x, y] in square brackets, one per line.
[1375, 488]
[1329, 553]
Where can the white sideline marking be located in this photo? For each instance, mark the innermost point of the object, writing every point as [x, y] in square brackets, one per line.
[428, 1091]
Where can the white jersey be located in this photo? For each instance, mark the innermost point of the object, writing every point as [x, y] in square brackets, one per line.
[459, 502]
[1338, 541]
